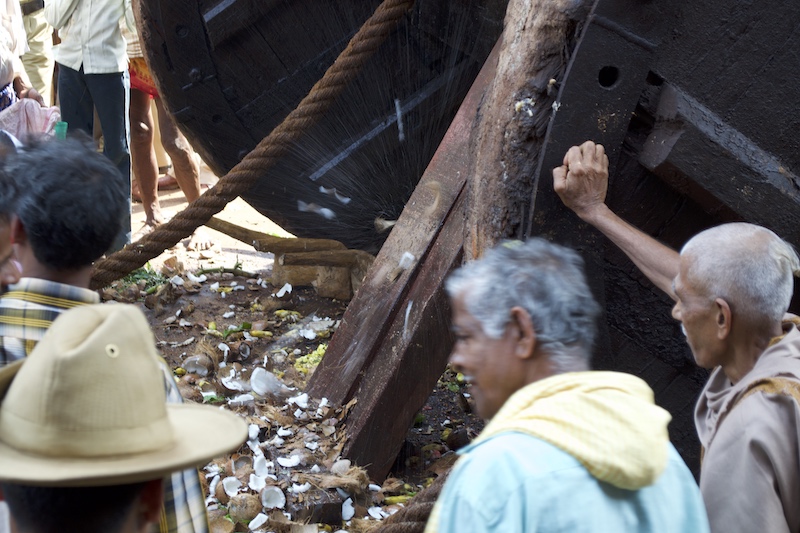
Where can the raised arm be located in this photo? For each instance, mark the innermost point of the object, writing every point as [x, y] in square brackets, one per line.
[581, 183]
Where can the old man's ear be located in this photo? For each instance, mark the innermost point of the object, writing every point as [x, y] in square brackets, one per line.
[524, 334]
[723, 318]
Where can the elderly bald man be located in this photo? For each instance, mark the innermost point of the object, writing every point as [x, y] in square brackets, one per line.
[732, 285]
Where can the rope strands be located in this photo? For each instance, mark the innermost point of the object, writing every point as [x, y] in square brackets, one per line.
[245, 174]
[413, 517]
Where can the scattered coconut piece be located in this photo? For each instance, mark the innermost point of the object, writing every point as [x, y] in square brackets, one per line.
[285, 432]
[377, 513]
[272, 497]
[257, 522]
[286, 289]
[307, 334]
[242, 399]
[176, 280]
[212, 487]
[316, 470]
[196, 279]
[231, 486]
[257, 482]
[300, 401]
[276, 441]
[299, 489]
[214, 286]
[229, 314]
[244, 507]
[374, 488]
[184, 323]
[170, 320]
[340, 467]
[262, 467]
[313, 446]
[199, 364]
[289, 462]
[265, 383]
[252, 431]
[348, 511]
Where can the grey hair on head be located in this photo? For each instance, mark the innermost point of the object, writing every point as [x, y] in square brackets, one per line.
[748, 266]
[545, 279]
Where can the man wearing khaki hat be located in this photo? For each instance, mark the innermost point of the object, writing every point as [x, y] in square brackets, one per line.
[86, 435]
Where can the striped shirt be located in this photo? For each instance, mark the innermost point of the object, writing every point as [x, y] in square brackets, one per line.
[26, 311]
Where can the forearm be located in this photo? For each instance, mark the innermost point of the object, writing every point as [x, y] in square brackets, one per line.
[656, 261]
[58, 12]
[21, 80]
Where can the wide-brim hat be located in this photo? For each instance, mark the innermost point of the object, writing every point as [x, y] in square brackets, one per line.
[88, 408]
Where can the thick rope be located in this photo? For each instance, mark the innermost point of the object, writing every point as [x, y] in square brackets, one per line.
[413, 517]
[248, 172]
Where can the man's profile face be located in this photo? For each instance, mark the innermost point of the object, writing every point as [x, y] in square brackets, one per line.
[490, 365]
[696, 312]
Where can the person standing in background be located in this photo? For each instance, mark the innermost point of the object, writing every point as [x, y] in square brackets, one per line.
[93, 74]
[38, 59]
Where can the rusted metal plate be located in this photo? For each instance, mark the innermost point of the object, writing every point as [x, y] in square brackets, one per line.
[690, 139]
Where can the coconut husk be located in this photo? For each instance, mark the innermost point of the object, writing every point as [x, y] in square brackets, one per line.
[354, 481]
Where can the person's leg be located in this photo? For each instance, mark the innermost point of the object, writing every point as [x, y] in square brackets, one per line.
[77, 108]
[38, 60]
[110, 94]
[143, 156]
[187, 172]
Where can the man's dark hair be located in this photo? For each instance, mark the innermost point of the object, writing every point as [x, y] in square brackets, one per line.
[71, 201]
[70, 509]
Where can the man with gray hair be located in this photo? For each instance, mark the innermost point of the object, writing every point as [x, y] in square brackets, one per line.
[566, 449]
[732, 286]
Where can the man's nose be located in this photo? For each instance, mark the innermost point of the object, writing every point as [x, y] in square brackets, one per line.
[456, 359]
[676, 312]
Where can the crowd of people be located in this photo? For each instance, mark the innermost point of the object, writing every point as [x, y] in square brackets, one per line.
[90, 412]
[96, 72]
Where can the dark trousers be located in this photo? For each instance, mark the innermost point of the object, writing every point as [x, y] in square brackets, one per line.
[80, 94]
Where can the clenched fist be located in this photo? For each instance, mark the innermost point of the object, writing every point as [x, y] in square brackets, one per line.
[582, 181]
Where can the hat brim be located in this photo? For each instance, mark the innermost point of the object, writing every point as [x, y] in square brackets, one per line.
[201, 433]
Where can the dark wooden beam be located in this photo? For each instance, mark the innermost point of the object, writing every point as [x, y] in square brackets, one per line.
[394, 340]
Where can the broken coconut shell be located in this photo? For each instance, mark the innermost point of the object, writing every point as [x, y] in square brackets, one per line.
[218, 523]
[272, 497]
[199, 364]
[244, 507]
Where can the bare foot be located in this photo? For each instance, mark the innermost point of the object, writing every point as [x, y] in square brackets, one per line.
[200, 240]
[146, 229]
[167, 182]
[153, 215]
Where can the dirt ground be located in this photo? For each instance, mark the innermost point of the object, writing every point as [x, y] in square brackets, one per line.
[234, 340]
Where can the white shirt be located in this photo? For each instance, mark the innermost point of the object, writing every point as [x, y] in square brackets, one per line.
[90, 34]
[13, 41]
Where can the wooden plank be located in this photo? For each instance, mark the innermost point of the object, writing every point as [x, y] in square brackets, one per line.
[410, 359]
[331, 258]
[365, 325]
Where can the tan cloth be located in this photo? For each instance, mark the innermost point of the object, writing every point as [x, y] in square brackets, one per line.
[750, 478]
[38, 60]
